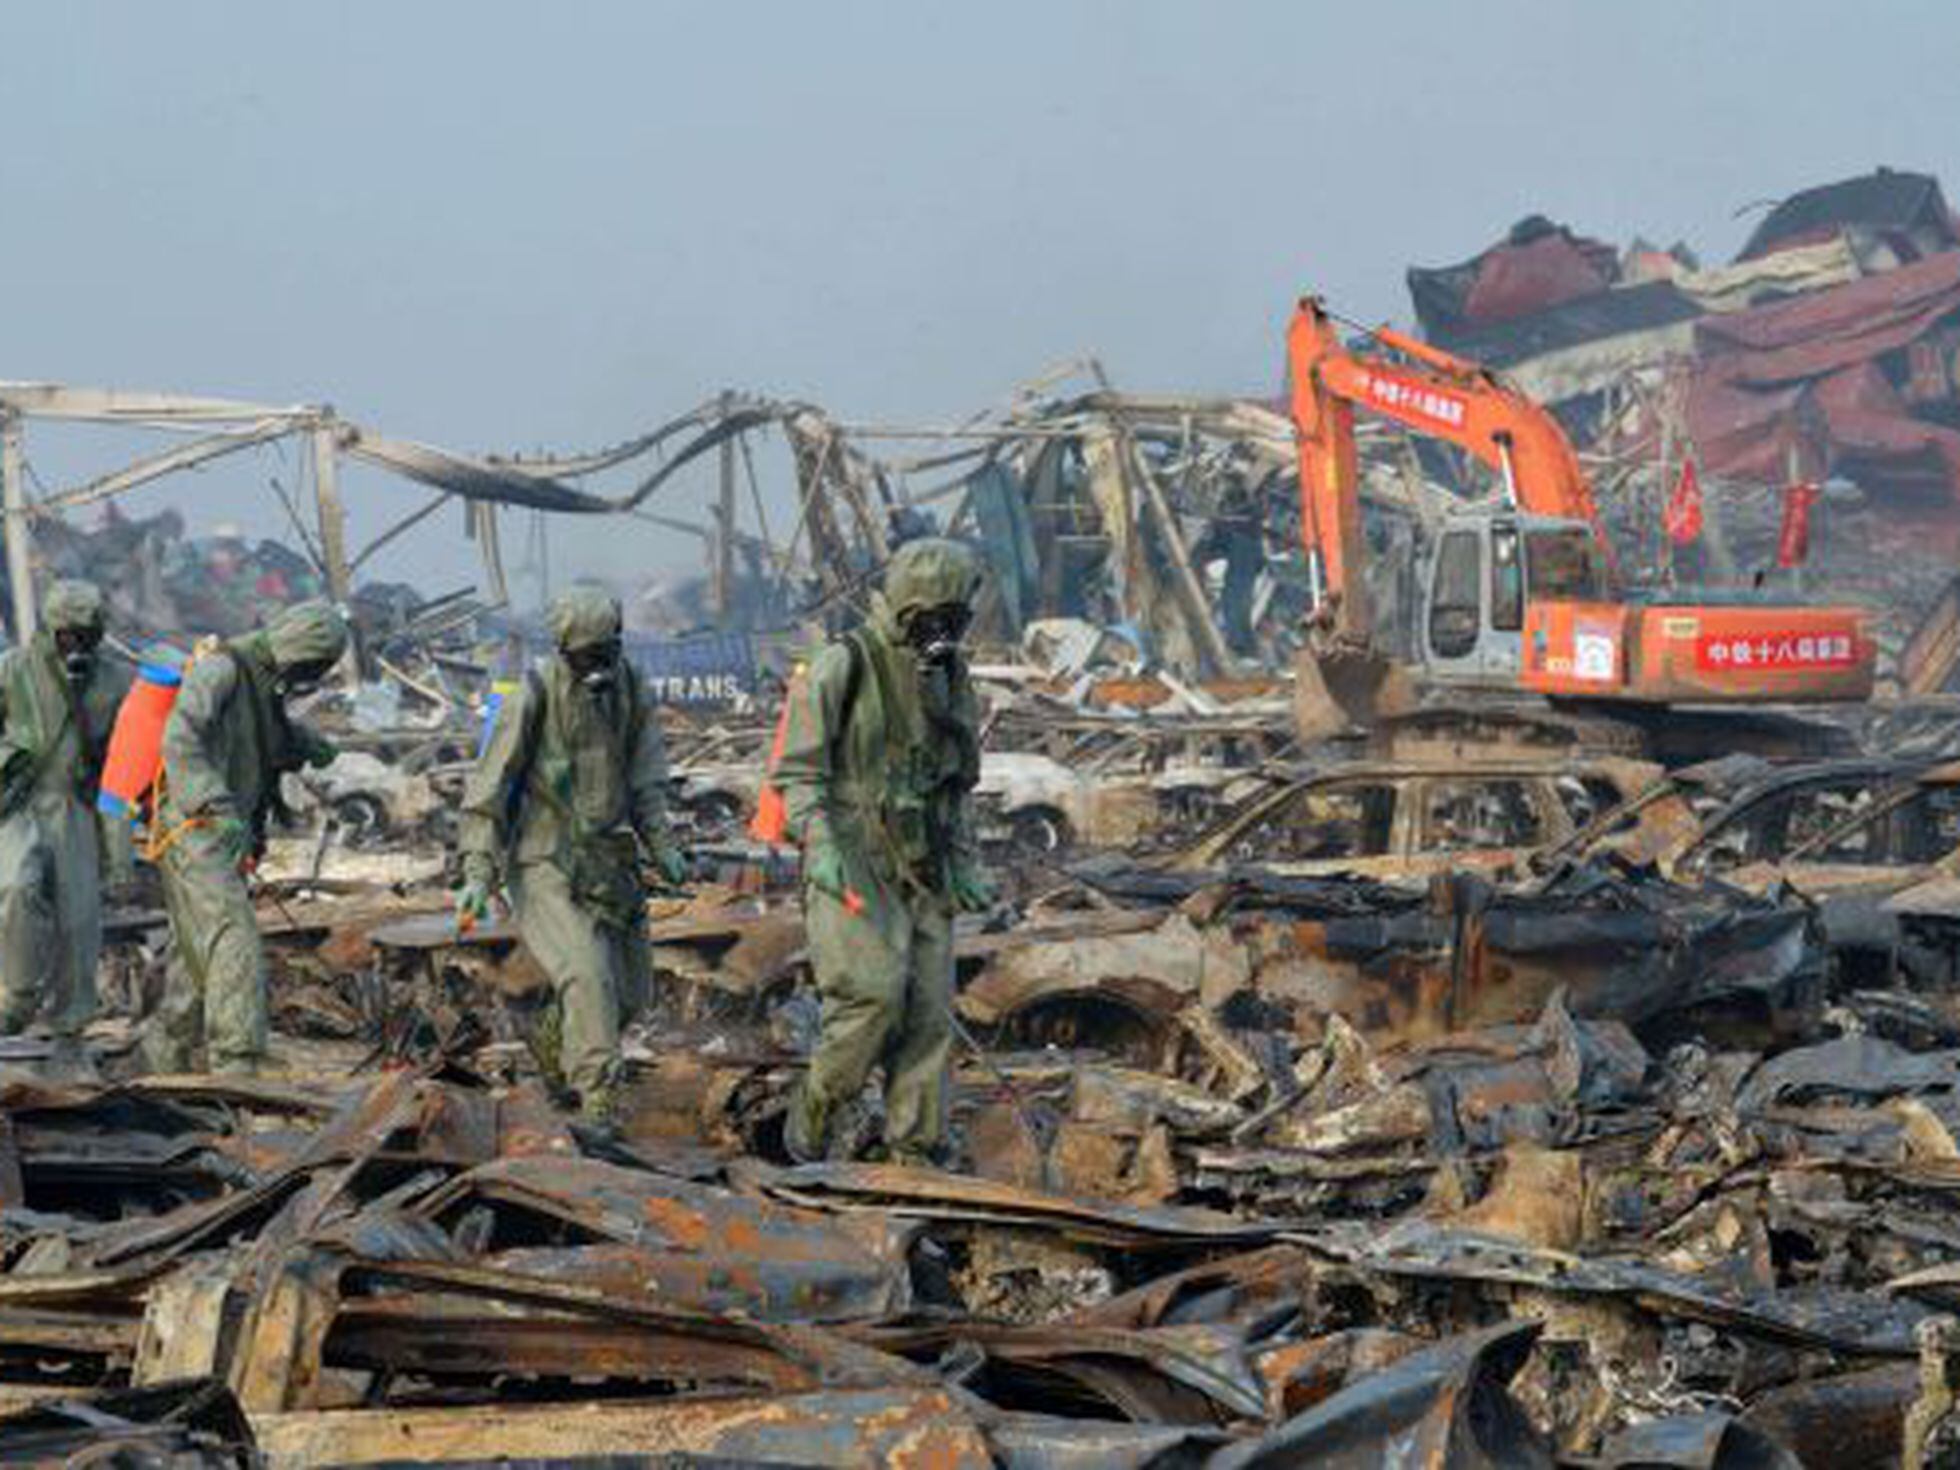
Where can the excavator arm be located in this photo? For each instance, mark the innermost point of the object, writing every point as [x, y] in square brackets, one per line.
[1330, 491]
[1434, 394]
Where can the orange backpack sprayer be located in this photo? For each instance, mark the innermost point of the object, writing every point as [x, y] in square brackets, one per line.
[132, 767]
[135, 755]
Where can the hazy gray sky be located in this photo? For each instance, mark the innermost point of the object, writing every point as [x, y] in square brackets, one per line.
[505, 226]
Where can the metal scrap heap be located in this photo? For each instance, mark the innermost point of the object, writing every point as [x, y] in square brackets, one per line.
[1266, 1168]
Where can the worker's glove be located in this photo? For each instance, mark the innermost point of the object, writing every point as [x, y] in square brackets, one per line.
[473, 899]
[472, 905]
[970, 889]
[670, 863]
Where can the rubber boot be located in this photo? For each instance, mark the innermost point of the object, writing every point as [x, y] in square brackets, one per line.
[599, 1109]
[546, 1042]
[806, 1136]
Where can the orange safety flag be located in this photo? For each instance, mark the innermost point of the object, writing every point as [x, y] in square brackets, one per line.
[1684, 507]
[1793, 541]
[771, 821]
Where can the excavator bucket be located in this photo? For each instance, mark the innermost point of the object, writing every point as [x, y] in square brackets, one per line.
[1338, 689]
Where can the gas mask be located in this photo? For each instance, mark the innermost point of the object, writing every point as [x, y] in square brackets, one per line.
[302, 679]
[594, 665]
[934, 633]
[77, 649]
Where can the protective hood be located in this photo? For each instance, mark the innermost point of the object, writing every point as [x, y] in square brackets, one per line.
[306, 633]
[930, 572]
[72, 605]
[583, 616]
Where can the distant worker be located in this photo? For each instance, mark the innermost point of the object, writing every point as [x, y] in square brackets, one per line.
[228, 742]
[58, 701]
[566, 803]
[880, 754]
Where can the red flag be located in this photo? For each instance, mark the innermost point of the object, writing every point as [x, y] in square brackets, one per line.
[1684, 507]
[1793, 541]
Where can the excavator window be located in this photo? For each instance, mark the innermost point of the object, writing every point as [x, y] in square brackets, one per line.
[1564, 566]
[1454, 604]
[1506, 580]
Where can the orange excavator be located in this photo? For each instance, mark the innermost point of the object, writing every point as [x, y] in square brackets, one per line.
[1518, 592]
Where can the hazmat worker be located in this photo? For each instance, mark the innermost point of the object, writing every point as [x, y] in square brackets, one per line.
[880, 754]
[226, 745]
[566, 805]
[58, 702]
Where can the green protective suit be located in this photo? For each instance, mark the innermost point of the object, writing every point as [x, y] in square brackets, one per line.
[880, 755]
[225, 746]
[567, 800]
[53, 734]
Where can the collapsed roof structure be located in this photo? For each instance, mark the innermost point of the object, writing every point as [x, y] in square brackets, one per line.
[1825, 349]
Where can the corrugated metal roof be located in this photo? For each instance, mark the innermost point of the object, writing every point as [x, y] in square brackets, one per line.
[1587, 319]
[1888, 199]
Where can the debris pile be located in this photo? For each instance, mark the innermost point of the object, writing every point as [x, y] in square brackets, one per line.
[1821, 350]
[172, 585]
[1266, 1167]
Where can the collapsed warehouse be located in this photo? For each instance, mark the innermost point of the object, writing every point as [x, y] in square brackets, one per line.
[1459, 1092]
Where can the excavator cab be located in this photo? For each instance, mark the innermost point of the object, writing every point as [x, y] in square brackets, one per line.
[1480, 574]
[1482, 571]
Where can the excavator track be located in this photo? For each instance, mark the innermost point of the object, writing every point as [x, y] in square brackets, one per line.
[1453, 723]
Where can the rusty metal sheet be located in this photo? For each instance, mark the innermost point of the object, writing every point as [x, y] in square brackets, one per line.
[186, 1425]
[1209, 1358]
[783, 1355]
[692, 1246]
[1834, 1319]
[98, 1332]
[355, 1132]
[924, 1429]
[1444, 1407]
[1852, 1418]
[1740, 408]
[1226, 1288]
[1300, 1374]
[446, 1338]
[1711, 1441]
[1047, 1442]
[931, 1194]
